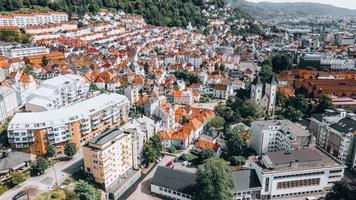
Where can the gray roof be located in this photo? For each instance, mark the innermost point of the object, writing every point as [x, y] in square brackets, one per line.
[345, 125]
[173, 179]
[107, 136]
[302, 156]
[327, 113]
[245, 180]
[14, 159]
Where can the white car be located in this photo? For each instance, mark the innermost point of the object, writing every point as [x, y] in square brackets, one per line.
[185, 163]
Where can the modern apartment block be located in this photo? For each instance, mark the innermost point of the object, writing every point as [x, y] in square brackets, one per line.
[335, 134]
[32, 132]
[21, 51]
[278, 135]
[109, 157]
[8, 103]
[286, 174]
[22, 20]
[58, 92]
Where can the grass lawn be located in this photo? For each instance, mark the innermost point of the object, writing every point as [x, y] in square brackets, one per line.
[189, 157]
[58, 194]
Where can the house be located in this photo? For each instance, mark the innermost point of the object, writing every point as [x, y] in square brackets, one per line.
[14, 161]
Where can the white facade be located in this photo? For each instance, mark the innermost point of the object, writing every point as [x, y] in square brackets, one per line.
[58, 92]
[56, 122]
[8, 103]
[24, 51]
[297, 178]
[22, 20]
[277, 135]
[170, 193]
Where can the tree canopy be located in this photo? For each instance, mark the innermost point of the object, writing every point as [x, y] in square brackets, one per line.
[70, 150]
[51, 151]
[40, 166]
[85, 191]
[214, 181]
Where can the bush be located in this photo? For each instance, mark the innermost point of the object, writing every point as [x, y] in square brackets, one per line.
[55, 195]
[172, 149]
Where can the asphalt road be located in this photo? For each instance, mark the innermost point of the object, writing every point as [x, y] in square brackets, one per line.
[36, 185]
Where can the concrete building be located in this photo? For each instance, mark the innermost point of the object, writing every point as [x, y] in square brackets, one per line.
[58, 92]
[8, 103]
[109, 157]
[21, 51]
[296, 173]
[278, 135]
[335, 133]
[132, 93]
[22, 20]
[172, 183]
[141, 129]
[32, 132]
[177, 184]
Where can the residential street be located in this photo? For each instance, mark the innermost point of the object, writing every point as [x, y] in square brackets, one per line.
[142, 189]
[45, 182]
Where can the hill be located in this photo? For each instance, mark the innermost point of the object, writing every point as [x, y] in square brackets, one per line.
[270, 10]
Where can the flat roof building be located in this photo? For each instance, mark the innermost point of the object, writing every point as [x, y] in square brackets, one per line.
[295, 173]
[277, 135]
[32, 132]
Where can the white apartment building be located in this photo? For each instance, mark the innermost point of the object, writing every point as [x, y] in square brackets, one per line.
[33, 131]
[278, 135]
[335, 133]
[141, 129]
[22, 20]
[21, 51]
[296, 173]
[8, 103]
[109, 157]
[58, 92]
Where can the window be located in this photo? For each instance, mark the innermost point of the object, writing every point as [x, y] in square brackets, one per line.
[266, 184]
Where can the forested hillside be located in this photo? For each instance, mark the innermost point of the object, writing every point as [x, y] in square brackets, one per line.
[157, 12]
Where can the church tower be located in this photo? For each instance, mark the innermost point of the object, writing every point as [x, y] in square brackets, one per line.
[270, 97]
[256, 90]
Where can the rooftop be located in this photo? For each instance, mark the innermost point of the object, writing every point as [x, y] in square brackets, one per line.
[245, 180]
[68, 114]
[296, 160]
[173, 179]
[293, 128]
[108, 136]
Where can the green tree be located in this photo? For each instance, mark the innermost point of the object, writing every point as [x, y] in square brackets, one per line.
[85, 191]
[281, 98]
[51, 151]
[293, 114]
[281, 62]
[204, 155]
[157, 143]
[301, 103]
[17, 178]
[214, 181]
[341, 191]
[251, 111]
[149, 153]
[325, 102]
[235, 144]
[40, 166]
[237, 160]
[70, 150]
[217, 122]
